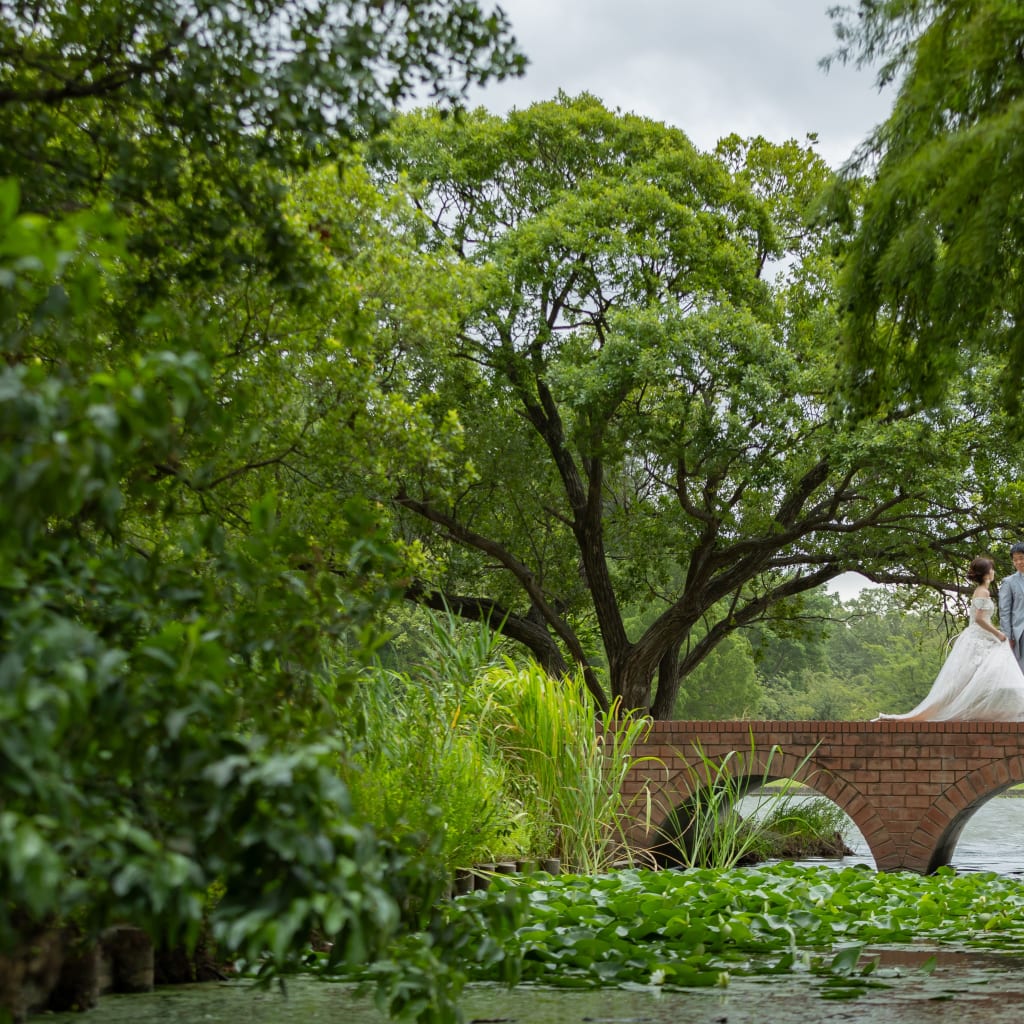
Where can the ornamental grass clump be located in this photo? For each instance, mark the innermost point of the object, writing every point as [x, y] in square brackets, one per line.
[420, 770]
[566, 760]
[707, 829]
[419, 764]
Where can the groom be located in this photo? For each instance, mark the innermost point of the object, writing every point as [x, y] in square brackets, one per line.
[1011, 604]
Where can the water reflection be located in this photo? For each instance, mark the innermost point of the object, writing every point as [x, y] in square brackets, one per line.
[993, 840]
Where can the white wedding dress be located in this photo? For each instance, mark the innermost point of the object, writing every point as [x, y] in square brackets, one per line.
[979, 682]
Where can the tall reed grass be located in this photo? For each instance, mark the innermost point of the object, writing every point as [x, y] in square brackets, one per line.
[417, 764]
[707, 830]
[504, 760]
[567, 761]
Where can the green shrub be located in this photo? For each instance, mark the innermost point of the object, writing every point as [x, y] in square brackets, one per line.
[509, 761]
[157, 671]
[419, 766]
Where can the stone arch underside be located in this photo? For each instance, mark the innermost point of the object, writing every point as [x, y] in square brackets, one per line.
[940, 829]
[673, 792]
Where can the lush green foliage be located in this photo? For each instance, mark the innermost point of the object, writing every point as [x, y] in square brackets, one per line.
[185, 115]
[421, 761]
[503, 762]
[654, 458]
[570, 761]
[933, 281]
[153, 684]
[176, 339]
[725, 685]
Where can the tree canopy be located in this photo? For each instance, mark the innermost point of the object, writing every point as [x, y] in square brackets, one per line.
[185, 115]
[649, 411]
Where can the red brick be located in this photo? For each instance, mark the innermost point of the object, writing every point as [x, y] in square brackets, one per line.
[904, 781]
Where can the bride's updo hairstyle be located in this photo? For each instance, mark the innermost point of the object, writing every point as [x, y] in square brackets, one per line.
[979, 568]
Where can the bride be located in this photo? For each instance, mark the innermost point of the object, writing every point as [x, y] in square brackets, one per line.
[980, 680]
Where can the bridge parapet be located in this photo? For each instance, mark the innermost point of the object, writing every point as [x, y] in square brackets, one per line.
[910, 787]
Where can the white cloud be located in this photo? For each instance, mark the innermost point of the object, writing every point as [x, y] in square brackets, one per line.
[711, 69]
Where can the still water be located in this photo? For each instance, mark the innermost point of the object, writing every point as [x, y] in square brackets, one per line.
[993, 840]
[978, 990]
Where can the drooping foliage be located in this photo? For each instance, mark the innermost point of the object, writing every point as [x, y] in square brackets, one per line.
[933, 280]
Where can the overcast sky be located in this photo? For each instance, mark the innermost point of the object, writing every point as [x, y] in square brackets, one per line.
[709, 67]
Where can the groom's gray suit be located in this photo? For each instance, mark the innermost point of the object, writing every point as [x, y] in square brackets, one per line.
[1011, 612]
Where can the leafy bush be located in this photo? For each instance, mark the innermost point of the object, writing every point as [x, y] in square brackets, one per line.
[420, 766]
[159, 723]
[509, 761]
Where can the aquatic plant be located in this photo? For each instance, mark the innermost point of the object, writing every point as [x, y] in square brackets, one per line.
[700, 926]
[796, 828]
[707, 829]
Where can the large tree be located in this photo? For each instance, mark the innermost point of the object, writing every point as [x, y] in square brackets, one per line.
[935, 274]
[646, 379]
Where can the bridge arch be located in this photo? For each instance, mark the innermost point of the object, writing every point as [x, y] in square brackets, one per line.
[909, 787]
[940, 829]
[751, 769]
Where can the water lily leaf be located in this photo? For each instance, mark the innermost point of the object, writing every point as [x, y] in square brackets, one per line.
[846, 960]
[852, 992]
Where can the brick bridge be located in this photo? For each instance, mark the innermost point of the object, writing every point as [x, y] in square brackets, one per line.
[910, 787]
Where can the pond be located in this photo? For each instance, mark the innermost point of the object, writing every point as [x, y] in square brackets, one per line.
[993, 839]
[963, 988]
[918, 985]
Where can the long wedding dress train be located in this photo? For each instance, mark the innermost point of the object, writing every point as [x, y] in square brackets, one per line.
[980, 681]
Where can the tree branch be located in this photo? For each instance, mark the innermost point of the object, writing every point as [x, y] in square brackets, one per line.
[459, 532]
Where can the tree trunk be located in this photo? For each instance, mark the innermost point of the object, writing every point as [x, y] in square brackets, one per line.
[632, 683]
[668, 685]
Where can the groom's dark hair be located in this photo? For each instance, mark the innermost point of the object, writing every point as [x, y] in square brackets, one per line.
[1017, 548]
